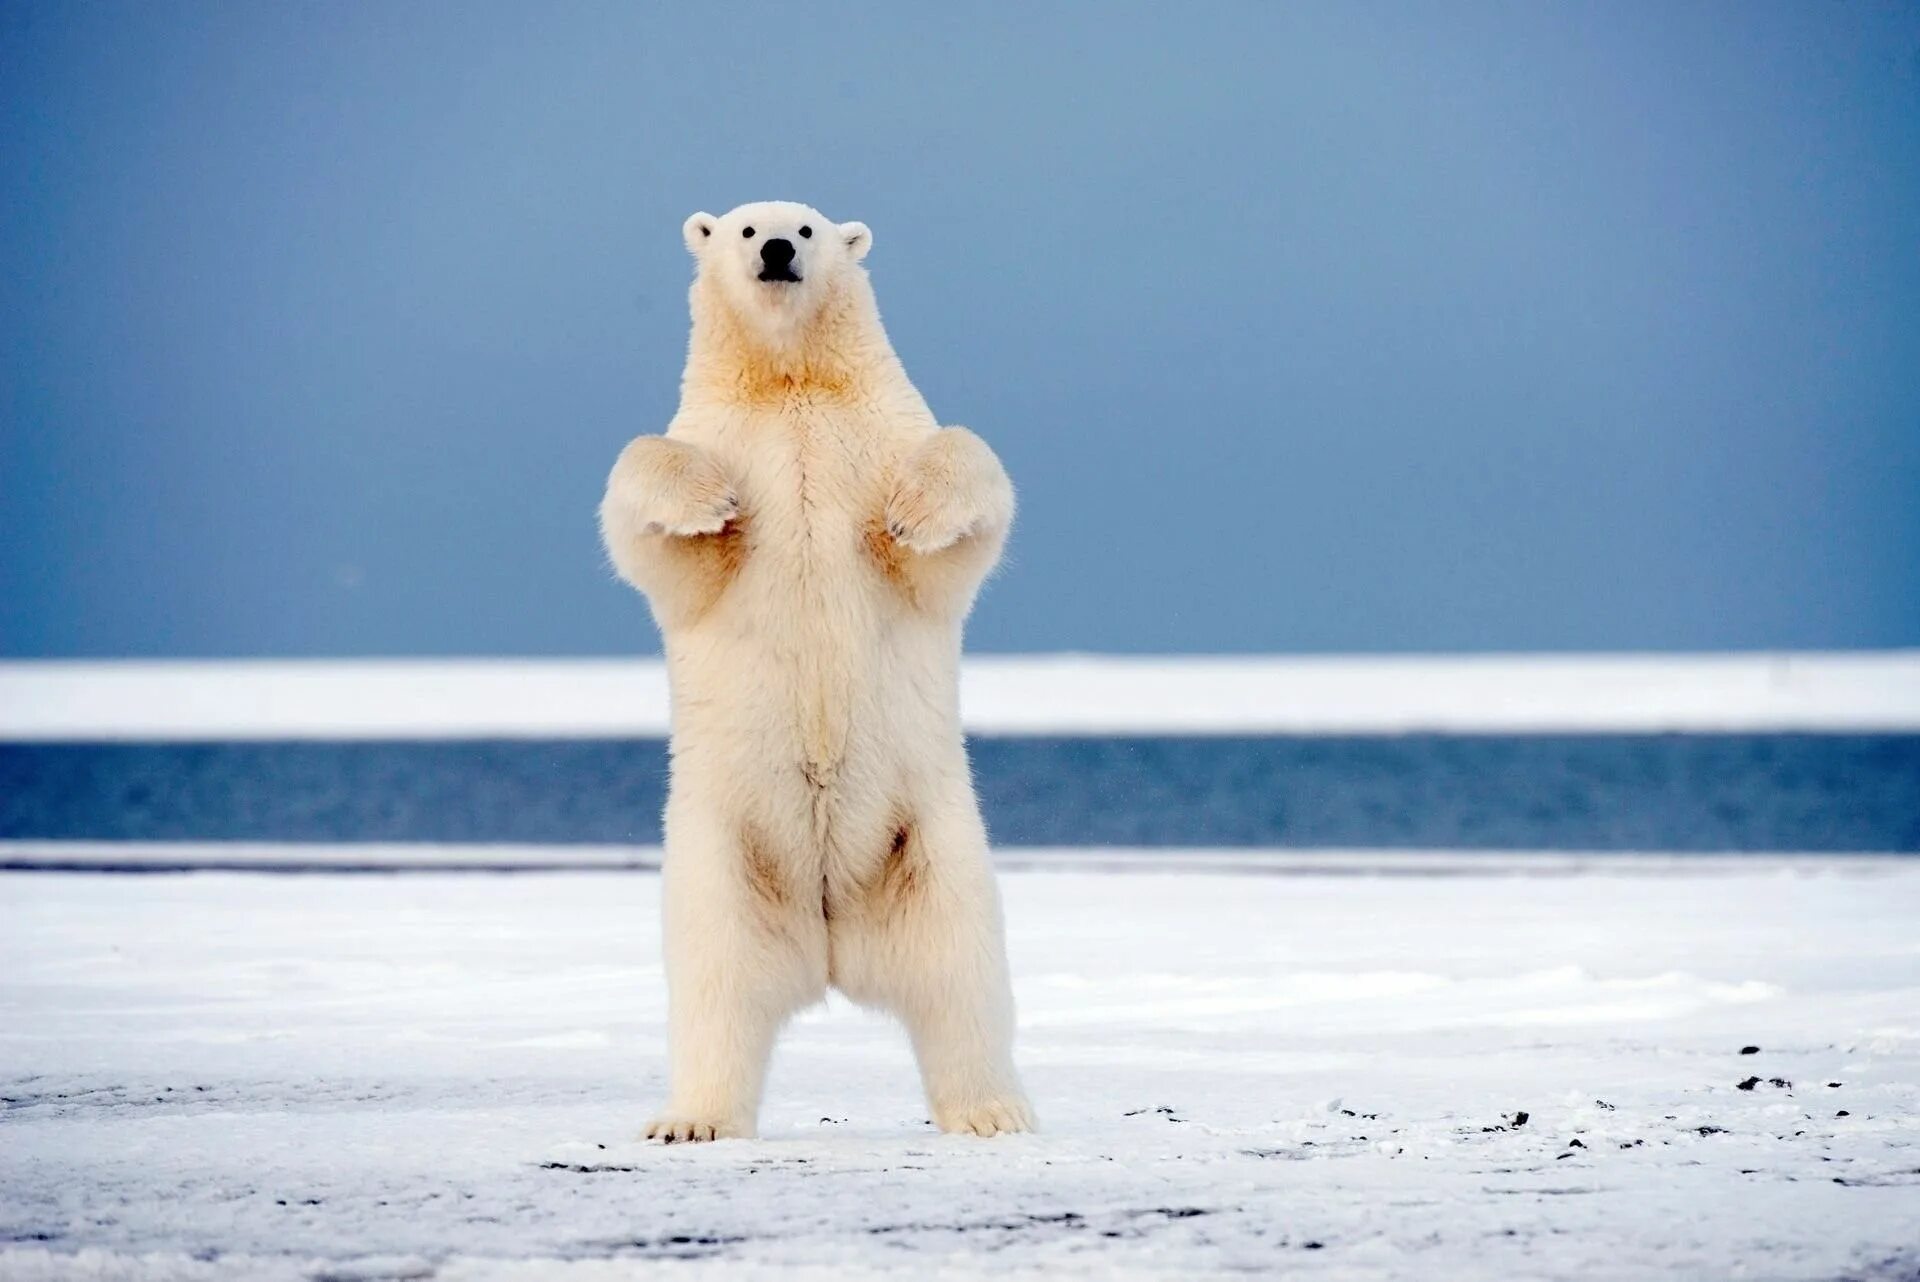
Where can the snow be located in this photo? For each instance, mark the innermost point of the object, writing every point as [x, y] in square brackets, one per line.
[1246, 1065]
[1007, 695]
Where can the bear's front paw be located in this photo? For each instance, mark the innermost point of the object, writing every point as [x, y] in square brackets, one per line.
[950, 488]
[673, 1127]
[700, 508]
[662, 486]
[1006, 1115]
[926, 518]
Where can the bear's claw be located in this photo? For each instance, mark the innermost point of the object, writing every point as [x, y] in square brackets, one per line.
[933, 532]
[687, 1130]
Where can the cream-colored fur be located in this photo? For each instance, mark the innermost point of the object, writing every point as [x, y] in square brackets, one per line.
[810, 541]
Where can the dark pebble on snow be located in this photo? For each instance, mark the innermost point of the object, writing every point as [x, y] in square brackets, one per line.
[1747, 1085]
[1843, 1113]
[1749, 1050]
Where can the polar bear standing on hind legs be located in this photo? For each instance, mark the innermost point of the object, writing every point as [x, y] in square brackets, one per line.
[810, 541]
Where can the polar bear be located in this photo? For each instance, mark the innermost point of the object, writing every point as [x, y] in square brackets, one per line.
[810, 540]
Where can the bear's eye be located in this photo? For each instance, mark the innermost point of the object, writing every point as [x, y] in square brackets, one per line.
[747, 232]
[806, 233]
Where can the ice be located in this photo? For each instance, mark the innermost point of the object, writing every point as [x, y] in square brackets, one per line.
[1000, 695]
[1248, 1068]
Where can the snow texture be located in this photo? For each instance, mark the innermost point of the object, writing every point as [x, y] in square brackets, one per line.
[1486, 1074]
[1000, 695]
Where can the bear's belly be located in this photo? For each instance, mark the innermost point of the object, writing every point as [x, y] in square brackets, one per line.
[813, 661]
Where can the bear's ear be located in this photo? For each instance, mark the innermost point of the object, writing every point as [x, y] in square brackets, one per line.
[859, 240]
[698, 230]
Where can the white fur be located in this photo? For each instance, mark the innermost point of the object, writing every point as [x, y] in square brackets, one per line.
[810, 541]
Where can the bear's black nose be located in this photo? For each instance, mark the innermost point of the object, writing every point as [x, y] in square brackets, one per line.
[776, 260]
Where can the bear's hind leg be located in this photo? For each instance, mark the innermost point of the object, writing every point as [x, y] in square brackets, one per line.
[744, 950]
[924, 940]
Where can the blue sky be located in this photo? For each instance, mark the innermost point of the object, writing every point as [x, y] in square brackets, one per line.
[1304, 327]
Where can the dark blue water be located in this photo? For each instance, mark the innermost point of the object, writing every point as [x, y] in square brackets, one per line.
[1768, 792]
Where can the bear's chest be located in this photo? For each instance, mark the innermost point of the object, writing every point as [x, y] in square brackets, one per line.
[812, 482]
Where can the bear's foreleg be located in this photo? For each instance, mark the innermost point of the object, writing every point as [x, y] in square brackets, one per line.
[662, 486]
[952, 487]
[672, 526]
[945, 520]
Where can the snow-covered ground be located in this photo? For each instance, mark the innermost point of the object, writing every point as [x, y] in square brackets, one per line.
[1000, 695]
[1240, 1067]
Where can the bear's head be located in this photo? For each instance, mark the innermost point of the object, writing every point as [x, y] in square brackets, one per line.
[774, 264]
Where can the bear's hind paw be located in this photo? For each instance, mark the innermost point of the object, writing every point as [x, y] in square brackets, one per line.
[671, 1128]
[1008, 1116]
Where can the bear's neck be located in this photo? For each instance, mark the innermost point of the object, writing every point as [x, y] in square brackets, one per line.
[842, 353]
